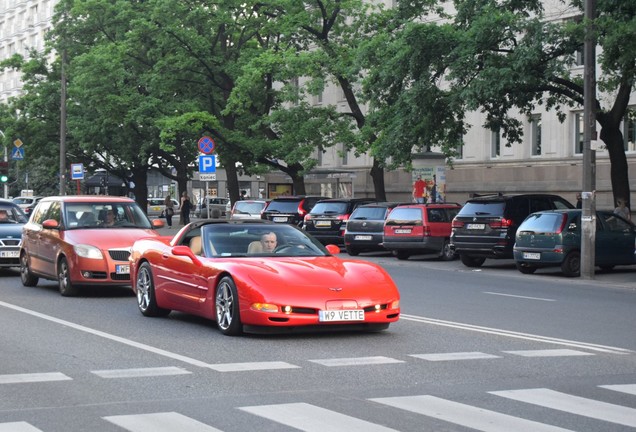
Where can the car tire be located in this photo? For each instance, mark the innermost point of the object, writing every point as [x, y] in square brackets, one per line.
[402, 255]
[447, 253]
[228, 318]
[28, 278]
[146, 298]
[526, 268]
[471, 261]
[352, 251]
[571, 265]
[65, 285]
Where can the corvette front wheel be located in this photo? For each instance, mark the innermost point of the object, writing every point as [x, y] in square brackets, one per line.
[146, 299]
[227, 308]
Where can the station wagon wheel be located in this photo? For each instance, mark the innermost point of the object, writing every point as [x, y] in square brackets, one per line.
[352, 251]
[571, 265]
[470, 261]
[66, 287]
[145, 287]
[227, 308]
[447, 253]
[526, 268]
[28, 278]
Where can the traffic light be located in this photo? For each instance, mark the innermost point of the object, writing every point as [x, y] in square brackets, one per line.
[4, 172]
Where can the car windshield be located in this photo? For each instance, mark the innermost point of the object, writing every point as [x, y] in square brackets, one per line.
[21, 200]
[369, 213]
[329, 208]
[250, 240]
[283, 206]
[104, 215]
[11, 215]
[542, 223]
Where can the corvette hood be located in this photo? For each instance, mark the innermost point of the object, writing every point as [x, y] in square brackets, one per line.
[105, 238]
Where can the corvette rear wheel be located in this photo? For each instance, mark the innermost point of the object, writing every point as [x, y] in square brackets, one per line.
[66, 287]
[146, 300]
[227, 308]
[28, 278]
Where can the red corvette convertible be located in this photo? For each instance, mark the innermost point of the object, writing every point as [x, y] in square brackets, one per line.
[257, 276]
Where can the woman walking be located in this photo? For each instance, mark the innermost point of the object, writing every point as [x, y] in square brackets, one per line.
[186, 206]
[169, 210]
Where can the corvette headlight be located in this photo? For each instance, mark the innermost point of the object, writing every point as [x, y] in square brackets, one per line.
[88, 251]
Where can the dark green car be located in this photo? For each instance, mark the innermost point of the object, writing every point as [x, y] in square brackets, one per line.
[553, 239]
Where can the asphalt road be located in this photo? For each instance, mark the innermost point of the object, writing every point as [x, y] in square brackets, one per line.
[490, 350]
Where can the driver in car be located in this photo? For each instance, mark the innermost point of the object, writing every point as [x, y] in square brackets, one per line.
[268, 241]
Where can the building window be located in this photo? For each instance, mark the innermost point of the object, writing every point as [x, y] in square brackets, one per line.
[579, 132]
[345, 155]
[536, 134]
[495, 144]
[629, 130]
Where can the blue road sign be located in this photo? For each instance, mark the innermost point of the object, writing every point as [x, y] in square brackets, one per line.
[207, 164]
[17, 153]
[77, 171]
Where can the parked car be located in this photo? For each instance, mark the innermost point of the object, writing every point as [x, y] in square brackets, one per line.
[486, 225]
[248, 209]
[290, 209]
[157, 208]
[12, 219]
[27, 203]
[69, 239]
[213, 274]
[365, 227]
[420, 228]
[327, 220]
[219, 207]
[553, 239]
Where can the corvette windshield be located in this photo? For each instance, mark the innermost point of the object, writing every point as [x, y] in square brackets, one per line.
[248, 240]
[98, 215]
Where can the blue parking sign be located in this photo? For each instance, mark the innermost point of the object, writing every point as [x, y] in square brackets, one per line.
[207, 164]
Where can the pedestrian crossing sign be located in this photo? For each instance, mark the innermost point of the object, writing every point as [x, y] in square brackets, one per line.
[17, 153]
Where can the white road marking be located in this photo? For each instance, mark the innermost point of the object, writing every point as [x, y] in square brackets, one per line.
[310, 418]
[518, 296]
[573, 404]
[140, 372]
[455, 356]
[33, 377]
[517, 335]
[357, 361]
[623, 388]
[549, 353]
[159, 422]
[18, 427]
[465, 415]
[251, 366]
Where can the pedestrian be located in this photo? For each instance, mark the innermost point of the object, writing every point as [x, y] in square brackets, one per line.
[185, 208]
[579, 201]
[169, 211]
[433, 185]
[622, 209]
[419, 190]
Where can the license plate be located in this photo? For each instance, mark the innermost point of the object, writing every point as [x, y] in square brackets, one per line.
[279, 219]
[362, 237]
[155, 208]
[122, 269]
[403, 231]
[475, 226]
[532, 255]
[323, 224]
[341, 315]
[9, 254]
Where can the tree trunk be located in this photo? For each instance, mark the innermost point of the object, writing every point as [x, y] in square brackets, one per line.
[140, 179]
[377, 174]
[619, 170]
[232, 180]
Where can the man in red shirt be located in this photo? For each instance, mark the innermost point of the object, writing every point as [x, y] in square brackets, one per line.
[419, 190]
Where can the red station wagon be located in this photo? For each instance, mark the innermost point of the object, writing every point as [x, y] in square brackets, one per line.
[412, 229]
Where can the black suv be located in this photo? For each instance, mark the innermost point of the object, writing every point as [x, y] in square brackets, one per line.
[486, 226]
[290, 209]
[328, 219]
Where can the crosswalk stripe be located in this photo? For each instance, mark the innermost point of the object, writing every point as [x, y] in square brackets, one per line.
[159, 422]
[18, 427]
[624, 388]
[310, 418]
[549, 353]
[140, 372]
[357, 361]
[251, 366]
[465, 415]
[33, 377]
[573, 404]
[455, 356]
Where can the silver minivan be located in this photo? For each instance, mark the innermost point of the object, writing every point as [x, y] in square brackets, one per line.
[248, 209]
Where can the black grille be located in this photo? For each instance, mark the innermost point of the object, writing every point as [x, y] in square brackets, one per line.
[115, 276]
[10, 242]
[119, 255]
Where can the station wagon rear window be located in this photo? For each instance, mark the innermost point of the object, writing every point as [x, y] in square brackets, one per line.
[542, 222]
[369, 213]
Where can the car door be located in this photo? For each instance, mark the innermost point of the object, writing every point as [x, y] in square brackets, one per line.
[32, 234]
[50, 241]
[614, 240]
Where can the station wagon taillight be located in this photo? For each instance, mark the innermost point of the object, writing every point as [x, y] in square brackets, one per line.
[426, 230]
[343, 217]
